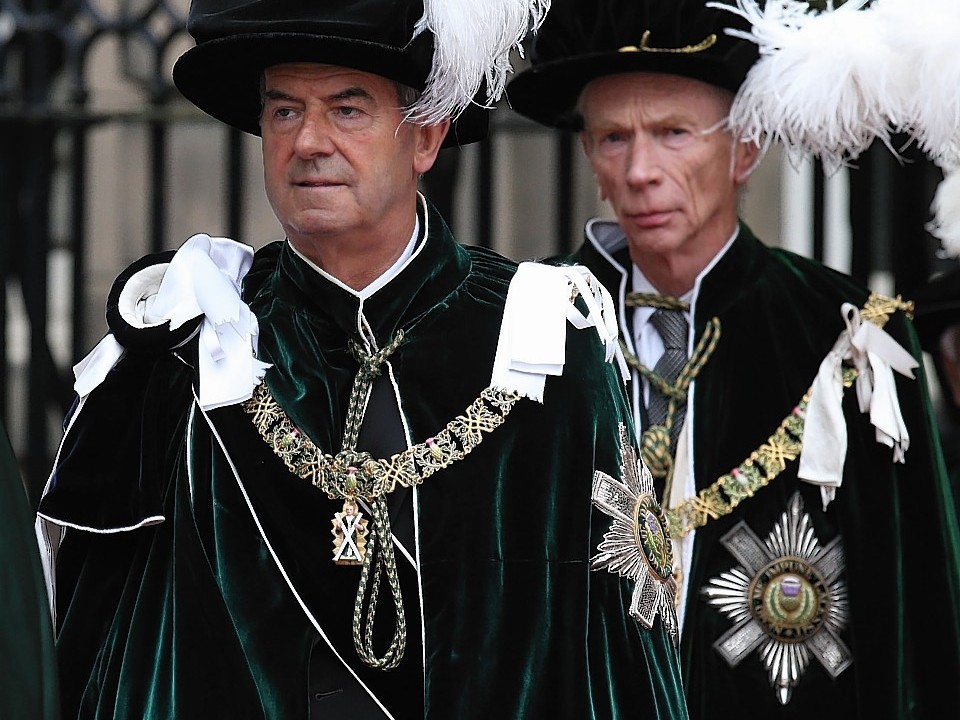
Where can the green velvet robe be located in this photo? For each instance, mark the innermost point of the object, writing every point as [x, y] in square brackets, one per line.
[215, 608]
[28, 682]
[780, 315]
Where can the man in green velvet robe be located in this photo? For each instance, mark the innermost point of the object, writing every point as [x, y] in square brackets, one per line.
[937, 319]
[28, 683]
[817, 546]
[365, 472]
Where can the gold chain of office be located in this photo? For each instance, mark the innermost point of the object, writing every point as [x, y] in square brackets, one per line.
[769, 460]
[351, 474]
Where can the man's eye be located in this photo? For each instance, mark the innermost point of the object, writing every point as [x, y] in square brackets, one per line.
[347, 111]
[283, 113]
[613, 137]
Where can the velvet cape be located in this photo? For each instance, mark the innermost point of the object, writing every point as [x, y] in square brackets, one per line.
[28, 683]
[189, 614]
[780, 315]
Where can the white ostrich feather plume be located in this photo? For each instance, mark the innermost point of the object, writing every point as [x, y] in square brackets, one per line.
[945, 225]
[473, 40]
[822, 84]
[922, 36]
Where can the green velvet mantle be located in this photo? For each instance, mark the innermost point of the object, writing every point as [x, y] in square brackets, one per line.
[193, 615]
[28, 682]
[780, 314]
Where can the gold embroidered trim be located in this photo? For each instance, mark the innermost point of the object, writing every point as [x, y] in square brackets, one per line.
[375, 477]
[708, 42]
[879, 308]
[769, 460]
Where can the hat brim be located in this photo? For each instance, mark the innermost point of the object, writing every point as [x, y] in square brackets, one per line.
[222, 76]
[549, 93]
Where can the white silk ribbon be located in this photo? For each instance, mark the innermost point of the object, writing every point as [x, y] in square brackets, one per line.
[91, 371]
[875, 355]
[203, 278]
[532, 342]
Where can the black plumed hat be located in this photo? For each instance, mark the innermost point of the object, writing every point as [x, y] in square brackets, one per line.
[582, 40]
[410, 41]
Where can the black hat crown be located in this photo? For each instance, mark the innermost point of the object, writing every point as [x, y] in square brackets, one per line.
[410, 41]
[585, 39]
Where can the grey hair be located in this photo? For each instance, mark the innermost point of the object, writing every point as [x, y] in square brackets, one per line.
[406, 95]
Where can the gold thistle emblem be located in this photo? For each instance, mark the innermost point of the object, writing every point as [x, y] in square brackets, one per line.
[786, 599]
[637, 545]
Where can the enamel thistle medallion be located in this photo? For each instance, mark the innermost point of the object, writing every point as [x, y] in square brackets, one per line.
[637, 545]
[786, 600]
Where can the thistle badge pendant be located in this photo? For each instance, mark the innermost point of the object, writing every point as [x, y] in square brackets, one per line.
[637, 545]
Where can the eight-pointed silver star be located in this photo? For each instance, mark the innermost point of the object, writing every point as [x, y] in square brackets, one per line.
[637, 544]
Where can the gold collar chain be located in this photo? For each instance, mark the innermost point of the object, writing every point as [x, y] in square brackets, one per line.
[769, 460]
[350, 474]
[372, 477]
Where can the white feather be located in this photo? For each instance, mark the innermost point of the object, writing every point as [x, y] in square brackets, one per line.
[922, 36]
[822, 84]
[473, 40]
[945, 225]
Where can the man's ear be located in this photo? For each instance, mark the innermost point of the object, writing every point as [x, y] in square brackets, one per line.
[746, 155]
[429, 140]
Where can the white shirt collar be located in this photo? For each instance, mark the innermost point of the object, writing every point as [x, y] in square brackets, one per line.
[384, 278]
[647, 341]
[640, 283]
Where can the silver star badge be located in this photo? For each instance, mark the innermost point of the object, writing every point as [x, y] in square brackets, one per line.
[786, 600]
[637, 545]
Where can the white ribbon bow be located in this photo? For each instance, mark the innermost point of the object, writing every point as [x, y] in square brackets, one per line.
[532, 343]
[875, 355]
[202, 279]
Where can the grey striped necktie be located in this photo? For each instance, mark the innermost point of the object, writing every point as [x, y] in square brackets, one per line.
[672, 326]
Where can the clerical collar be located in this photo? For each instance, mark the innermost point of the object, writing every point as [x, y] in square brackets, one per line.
[386, 277]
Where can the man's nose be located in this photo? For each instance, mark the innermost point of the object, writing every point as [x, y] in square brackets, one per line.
[642, 164]
[314, 137]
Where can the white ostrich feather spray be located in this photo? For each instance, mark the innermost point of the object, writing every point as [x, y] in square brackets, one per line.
[822, 84]
[945, 225]
[922, 35]
[473, 40]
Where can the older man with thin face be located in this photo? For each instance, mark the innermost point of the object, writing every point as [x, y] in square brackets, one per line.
[796, 502]
[365, 472]
[668, 167]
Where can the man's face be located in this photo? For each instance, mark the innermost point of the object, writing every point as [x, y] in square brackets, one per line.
[339, 162]
[663, 163]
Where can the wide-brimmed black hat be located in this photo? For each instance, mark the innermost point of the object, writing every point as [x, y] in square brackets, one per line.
[937, 305]
[582, 40]
[237, 39]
